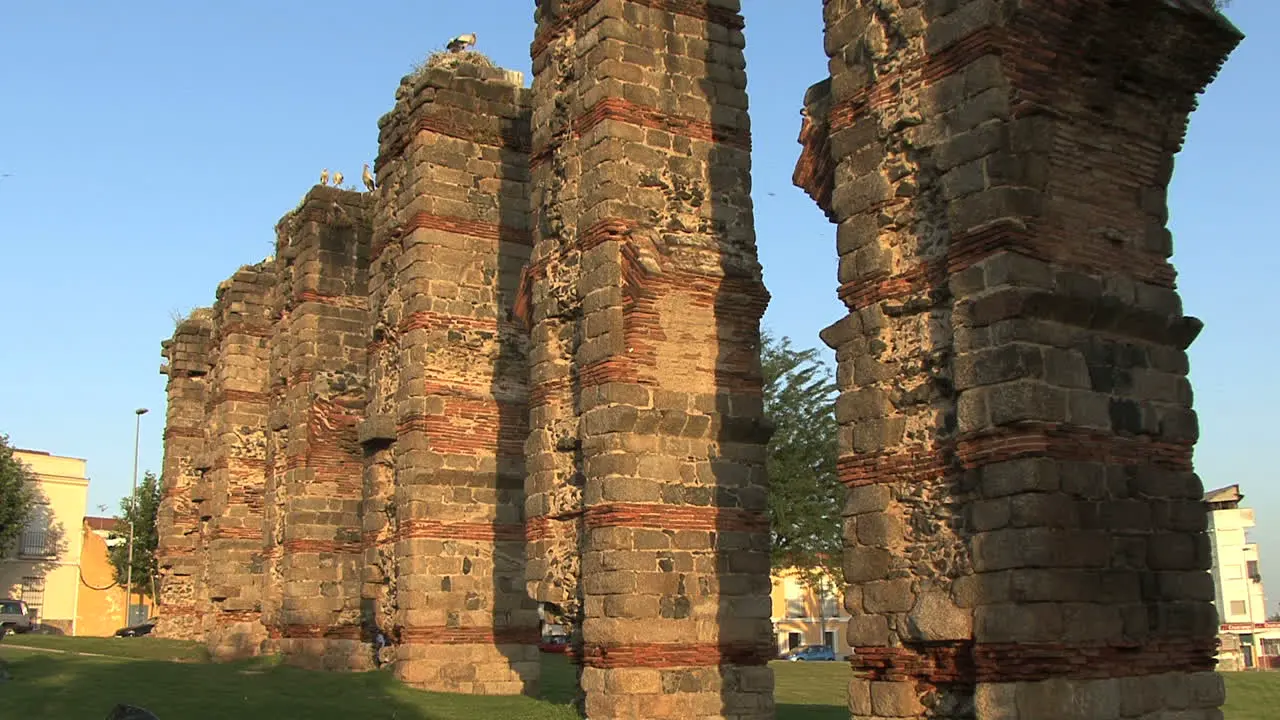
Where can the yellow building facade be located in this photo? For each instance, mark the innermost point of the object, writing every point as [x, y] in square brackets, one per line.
[43, 570]
[101, 607]
[805, 615]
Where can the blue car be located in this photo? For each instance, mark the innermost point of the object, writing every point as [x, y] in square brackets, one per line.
[810, 652]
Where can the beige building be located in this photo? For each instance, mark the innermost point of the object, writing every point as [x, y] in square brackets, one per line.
[44, 567]
[803, 615]
[1249, 641]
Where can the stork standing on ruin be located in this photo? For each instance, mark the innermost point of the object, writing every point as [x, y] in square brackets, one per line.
[462, 42]
[324, 176]
[368, 179]
[337, 179]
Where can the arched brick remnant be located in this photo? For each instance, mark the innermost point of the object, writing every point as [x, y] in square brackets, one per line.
[187, 365]
[311, 572]
[646, 490]
[1024, 531]
[444, 470]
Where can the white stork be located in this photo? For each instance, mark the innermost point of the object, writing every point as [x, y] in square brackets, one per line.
[324, 176]
[462, 42]
[368, 179]
[337, 179]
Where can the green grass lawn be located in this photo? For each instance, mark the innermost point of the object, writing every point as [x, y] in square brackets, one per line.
[175, 680]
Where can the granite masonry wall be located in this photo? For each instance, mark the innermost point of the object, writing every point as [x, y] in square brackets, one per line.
[229, 492]
[646, 487]
[318, 386]
[187, 365]
[1024, 531]
[448, 396]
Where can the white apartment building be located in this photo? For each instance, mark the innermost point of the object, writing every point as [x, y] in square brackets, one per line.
[1249, 641]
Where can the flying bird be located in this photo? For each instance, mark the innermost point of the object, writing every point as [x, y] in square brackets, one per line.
[324, 176]
[337, 179]
[368, 179]
[462, 42]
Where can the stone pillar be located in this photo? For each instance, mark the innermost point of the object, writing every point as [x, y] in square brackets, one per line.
[1025, 537]
[187, 367]
[322, 260]
[647, 489]
[448, 402]
[231, 492]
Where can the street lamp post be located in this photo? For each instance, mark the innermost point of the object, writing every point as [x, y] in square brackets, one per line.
[133, 507]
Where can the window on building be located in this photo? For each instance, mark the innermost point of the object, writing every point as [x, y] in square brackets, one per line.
[795, 600]
[830, 608]
[1237, 608]
[829, 639]
[37, 540]
[794, 640]
[1252, 570]
[1271, 646]
[33, 596]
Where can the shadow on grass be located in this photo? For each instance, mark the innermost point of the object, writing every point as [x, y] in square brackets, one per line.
[58, 687]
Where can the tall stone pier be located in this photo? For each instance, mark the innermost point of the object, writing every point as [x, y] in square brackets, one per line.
[315, 552]
[646, 486]
[448, 401]
[1024, 532]
[187, 365]
[229, 494]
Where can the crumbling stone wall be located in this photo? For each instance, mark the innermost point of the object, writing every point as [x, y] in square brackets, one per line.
[646, 486]
[229, 494]
[1024, 530]
[448, 397]
[314, 549]
[187, 365]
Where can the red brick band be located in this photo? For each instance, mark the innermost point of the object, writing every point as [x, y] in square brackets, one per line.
[969, 249]
[429, 529]
[223, 617]
[242, 396]
[670, 655]
[967, 662]
[299, 631]
[888, 88]
[444, 635]
[174, 610]
[623, 110]
[443, 322]
[471, 228]
[180, 431]
[1013, 442]
[574, 9]
[676, 517]
[238, 464]
[472, 427]
[321, 546]
[235, 534]
[340, 301]
[226, 330]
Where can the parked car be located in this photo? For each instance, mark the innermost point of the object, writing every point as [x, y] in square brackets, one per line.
[15, 616]
[137, 630]
[558, 644]
[810, 652]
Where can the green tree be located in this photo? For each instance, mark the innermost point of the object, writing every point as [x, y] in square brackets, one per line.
[17, 495]
[142, 511]
[805, 498]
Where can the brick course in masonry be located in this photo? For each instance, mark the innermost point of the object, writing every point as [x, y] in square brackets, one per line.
[1024, 533]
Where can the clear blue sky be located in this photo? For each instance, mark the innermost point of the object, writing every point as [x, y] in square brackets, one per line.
[153, 145]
